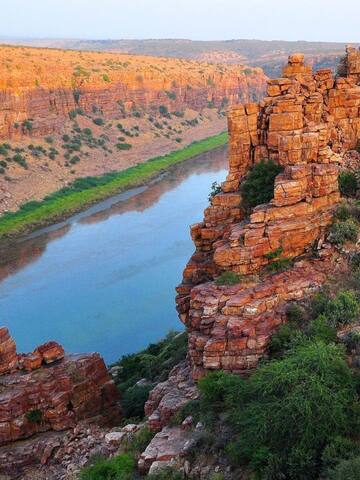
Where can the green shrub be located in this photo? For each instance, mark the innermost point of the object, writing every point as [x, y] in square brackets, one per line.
[27, 125]
[171, 95]
[286, 337]
[18, 158]
[343, 309]
[343, 212]
[336, 451]
[99, 121]
[348, 184]
[106, 78]
[215, 190]
[347, 470]
[154, 364]
[75, 159]
[279, 265]
[123, 146]
[163, 110]
[192, 408]
[275, 253]
[34, 416]
[166, 474]
[120, 467]
[289, 410]
[258, 187]
[319, 329]
[344, 230]
[228, 278]
[296, 314]
[133, 400]
[141, 440]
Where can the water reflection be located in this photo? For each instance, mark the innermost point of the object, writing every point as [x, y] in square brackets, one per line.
[104, 280]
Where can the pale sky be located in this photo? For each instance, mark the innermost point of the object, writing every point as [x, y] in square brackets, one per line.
[327, 20]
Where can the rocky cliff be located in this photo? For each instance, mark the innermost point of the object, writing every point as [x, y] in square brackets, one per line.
[305, 124]
[42, 86]
[47, 390]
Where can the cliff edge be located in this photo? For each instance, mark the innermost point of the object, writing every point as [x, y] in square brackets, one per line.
[305, 124]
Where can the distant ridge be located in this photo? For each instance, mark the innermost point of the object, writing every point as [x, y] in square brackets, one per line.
[269, 55]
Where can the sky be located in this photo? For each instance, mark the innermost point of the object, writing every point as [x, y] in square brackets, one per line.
[316, 20]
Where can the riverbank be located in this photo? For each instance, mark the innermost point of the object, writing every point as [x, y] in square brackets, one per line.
[84, 192]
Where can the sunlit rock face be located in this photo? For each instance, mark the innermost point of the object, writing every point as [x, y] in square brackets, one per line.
[306, 123]
[48, 390]
[46, 85]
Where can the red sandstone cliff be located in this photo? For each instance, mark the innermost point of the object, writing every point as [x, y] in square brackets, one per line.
[45, 85]
[48, 390]
[306, 123]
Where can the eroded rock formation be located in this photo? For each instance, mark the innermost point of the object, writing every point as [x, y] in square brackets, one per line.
[306, 123]
[45, 85]
[48, 390]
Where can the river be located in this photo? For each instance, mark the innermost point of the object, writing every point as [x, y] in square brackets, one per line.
[104, 280]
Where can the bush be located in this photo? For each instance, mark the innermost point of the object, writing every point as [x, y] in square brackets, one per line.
[343, 309]
[98, 121]
[163, 110]
[347, 470]
[338, 450]
[123, 146]
[296, 313]
[120, 467]
[284, 339]
[133, 400]
[279, 265]
[289, 410]
[141, 440]
[34, 416]
[342, 231]
[166, 474]
[215, 190]
[258, 187]
[228, 278]
[154, 364]
[319, 329]
[348, 184]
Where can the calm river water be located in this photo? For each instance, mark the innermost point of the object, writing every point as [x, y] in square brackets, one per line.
[104, 280]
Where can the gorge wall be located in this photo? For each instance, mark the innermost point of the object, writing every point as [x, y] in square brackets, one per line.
[305, 124]
[43, 85]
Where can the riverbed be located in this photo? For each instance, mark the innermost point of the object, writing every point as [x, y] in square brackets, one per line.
[104, 280]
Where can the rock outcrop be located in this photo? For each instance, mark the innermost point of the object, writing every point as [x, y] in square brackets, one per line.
[48, 390]
[168, 397]
[306, 124]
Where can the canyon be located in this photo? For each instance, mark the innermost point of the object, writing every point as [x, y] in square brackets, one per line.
[71, 114]
[308, 125]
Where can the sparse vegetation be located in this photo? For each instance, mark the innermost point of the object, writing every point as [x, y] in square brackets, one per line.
[149, 366]
[348, 184]
[34, 416]
[228, 278]
[85, 191]
[258, 187]
[215, 190]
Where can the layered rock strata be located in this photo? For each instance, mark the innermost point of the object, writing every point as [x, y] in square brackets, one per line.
[306, 124]
[44, 86]
[48, 390]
